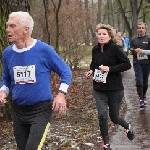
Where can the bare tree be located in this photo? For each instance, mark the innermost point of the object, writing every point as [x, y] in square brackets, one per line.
[56, 10]
[99, 11]
[135, 9]
[87, 23]
[47, 11]
[7, 6]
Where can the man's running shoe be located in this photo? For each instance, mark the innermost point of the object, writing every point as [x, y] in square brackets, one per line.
[130, 133]
[145, 102]
[141, 104]
[106, 147]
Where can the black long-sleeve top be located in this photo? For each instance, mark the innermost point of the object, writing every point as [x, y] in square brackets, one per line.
[114, 57]
[143, 43]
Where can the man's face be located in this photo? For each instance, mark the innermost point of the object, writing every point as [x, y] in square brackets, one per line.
[141, 29]
[14, 31]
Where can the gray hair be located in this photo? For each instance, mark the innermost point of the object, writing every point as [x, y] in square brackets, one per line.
[140, 23]
[25, 19]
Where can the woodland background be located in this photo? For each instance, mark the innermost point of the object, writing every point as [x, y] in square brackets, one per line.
[69, 25]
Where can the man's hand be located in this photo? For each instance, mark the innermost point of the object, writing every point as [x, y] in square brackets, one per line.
[3, 96]
[138, 50]
[59, 104]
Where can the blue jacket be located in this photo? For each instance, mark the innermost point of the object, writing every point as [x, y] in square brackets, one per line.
[127, 41]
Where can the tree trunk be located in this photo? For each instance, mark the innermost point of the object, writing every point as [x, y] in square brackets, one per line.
[135, 12]
[57, 9]
[134, 17]
[99, 12]
[46, 4]
[6, 7]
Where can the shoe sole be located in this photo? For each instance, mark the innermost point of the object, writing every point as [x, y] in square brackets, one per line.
[142, 106]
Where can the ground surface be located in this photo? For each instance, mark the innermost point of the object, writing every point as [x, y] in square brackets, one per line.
[78, 130]
[139, 118]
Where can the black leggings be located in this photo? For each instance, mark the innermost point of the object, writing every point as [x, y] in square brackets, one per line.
[113, 100]
[31, 124]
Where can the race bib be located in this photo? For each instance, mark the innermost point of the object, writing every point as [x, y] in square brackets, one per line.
[24, 74]
[142, 56]
[100, 76]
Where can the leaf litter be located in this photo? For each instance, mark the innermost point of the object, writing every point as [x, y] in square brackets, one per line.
[78, 129]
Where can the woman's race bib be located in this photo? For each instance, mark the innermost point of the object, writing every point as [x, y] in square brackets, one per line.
[100, 76]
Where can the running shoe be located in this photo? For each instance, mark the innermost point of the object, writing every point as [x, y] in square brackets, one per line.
[145, 102]
[107, 147]
[130, 133]
[141, 104]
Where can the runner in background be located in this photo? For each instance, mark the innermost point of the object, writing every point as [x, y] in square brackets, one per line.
[121, 42]
[141, 63]
[127, 41]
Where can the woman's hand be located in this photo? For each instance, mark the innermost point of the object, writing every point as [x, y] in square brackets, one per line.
[89, 73]
[104, 68]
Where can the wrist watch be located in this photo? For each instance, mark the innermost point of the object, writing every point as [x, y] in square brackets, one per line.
[62, 92]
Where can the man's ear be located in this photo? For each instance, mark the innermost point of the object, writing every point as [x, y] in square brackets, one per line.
[26, 30]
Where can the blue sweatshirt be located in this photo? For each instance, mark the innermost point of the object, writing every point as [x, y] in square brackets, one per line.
[32, 84]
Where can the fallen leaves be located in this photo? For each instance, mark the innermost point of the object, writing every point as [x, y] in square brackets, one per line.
[78, 130]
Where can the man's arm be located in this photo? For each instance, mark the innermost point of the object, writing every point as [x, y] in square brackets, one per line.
[141, 51]
[3, 96]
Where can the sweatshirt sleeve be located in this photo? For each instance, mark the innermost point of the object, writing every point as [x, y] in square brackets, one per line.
[122, 63]
[147, 52]
[92, 66]
[57, 64]
[6, 79]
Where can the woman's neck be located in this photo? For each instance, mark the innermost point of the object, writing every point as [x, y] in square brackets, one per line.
[102, 46]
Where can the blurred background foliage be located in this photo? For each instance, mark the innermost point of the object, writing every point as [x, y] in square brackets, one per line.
[69, 25]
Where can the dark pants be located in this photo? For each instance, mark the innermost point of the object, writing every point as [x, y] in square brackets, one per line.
[111, 99]
[141, 78]
[31, 124]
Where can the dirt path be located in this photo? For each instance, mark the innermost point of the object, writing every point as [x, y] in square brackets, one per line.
[140, 119]
[79, 129]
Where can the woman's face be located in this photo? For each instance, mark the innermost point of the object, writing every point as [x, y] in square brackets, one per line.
[103, 36]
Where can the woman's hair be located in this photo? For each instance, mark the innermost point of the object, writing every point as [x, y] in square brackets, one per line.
[25, 19]
[111, 31]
